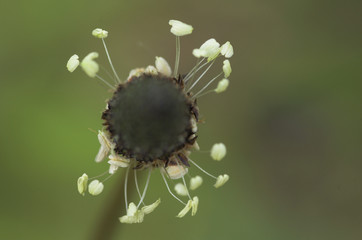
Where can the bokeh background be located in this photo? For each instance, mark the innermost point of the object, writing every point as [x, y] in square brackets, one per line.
[291, 118]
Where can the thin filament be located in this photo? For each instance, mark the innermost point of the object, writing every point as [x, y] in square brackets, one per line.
[125, 187]
[145, 190]
[136, 182]
[110, 61]
[107, 83]
[178, 53]
[193, 69]
[168, 188]
[188, 194]
[207, 69]
[207, 85]
[202, 169]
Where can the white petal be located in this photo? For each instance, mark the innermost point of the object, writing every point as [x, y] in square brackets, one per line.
[163, 67]
[218, 151]
[227, 50]
[221, 180]
[82, 184]
[180, 189]
[73, 63]
[100, 33]
[179, 28]
[95, 187]
[226, 68]
[150, 208]
[222, 85]
[194, 205]
[195, 182]
[185, 210]
[90, 66]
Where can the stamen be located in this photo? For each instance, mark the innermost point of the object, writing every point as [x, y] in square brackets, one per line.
[110, 61]
[107, 178]
[202, 169]
[207, 69]
[107, 83]
[198, 69]
[136, 182]
[168, 188]
[178, 53]
[125, 187]
[206, 85]
[101, 175]
[198, 62]
[146, 186]
[109, 74]
[188, 194]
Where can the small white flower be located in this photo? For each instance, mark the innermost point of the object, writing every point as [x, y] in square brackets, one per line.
[227, 50]
[106, 146]
[221, 180]
[100, 33]
[82, 184]
[195, 182]
[179, 28]
[150, 208]
[176, 171]
[163, 66]
[185, 210]
[151, 70]
[133, 215]
[95, 187]
[90, 66]
[222, 85]
[116, 161]
[180, 189]
[226, 67]
[73, 63]
[218, 151]
[194, 205]
[209, 49]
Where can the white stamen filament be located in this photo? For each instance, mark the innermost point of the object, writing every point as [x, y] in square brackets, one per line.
[212, 80]
[192, 71]
[109, 74]
[136, 182]
[178, 53]
[107, 83]
[168, 188]
[125, 187]
[188, 193]
[101, 175]
[145, 190]
[202, 169]
[198, 69]
[207, 69]
[110, 61]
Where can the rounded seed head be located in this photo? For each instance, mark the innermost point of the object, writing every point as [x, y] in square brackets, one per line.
[148, 118]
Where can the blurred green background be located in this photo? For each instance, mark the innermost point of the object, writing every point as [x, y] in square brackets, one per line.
[291, 118]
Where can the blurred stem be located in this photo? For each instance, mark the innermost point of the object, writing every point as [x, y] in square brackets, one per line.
[107, 224]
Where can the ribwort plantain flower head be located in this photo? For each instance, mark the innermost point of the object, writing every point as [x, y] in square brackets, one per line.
[151, 121]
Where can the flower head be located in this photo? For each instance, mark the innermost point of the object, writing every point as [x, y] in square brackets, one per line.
[151, 122]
